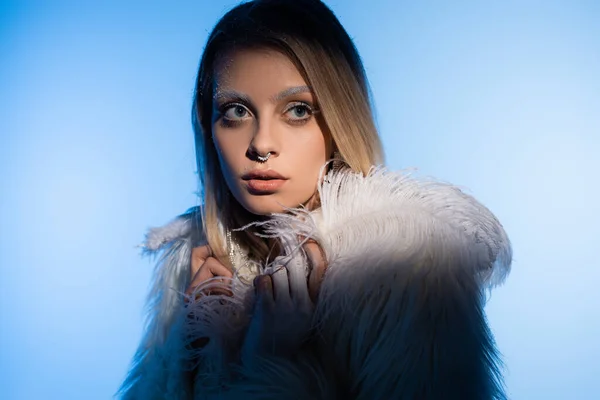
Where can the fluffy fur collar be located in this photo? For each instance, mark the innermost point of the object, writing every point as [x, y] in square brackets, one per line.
[390, 234]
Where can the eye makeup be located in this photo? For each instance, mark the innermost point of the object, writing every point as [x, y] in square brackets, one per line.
[221, 96]
[231, 122]
[224, 100]
[289, 92]
[308, 109]
[225, 96]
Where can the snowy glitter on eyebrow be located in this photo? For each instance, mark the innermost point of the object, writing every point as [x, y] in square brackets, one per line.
[230, 94]
[290, 91]
[233, 94]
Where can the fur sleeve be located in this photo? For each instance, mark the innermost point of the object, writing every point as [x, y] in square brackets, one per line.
[400, 311]
[158, 368]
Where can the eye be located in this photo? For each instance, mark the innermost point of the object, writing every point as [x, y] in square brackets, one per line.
[299, 112]
[235, 112]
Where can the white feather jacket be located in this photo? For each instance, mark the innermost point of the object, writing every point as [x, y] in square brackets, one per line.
[399, 314]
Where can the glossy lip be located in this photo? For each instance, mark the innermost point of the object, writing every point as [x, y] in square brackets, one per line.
[263, 182]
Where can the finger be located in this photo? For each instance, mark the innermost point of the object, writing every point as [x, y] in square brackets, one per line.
[218, 269]
[211, 268]
[199, 256]
[205, 272]
[318, 266]
[315, 280]
[297, 274]
[281, 287]
[264, 292]
[315, 256]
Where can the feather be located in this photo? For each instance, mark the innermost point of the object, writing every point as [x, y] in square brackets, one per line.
[157, 368]
[400, 312]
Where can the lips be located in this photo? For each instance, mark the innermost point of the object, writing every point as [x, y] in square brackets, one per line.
[263, 182]
[262, 174]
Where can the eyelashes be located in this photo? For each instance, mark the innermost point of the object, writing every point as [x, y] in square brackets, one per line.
[235, 113]
[230, 113]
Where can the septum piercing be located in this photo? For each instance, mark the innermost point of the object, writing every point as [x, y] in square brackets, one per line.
[263, 158]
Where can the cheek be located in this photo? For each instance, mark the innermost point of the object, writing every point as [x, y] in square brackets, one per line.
[227, 161]
[313, 153]
[309, 156]
[318, 148]
[228, 150]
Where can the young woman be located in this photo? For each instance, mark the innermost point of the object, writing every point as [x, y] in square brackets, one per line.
[301, 277]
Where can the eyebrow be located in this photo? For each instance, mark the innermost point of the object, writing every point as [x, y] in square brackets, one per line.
[288, 92]
[232, 94]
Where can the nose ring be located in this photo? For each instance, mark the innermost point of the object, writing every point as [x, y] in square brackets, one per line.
[263, 158]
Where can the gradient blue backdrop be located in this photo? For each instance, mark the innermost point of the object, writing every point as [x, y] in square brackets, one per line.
[502, 98]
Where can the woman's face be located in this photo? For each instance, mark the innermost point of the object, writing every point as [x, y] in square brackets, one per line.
[262, 107]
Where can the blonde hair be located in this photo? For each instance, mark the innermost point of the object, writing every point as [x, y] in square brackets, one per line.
[310, 35]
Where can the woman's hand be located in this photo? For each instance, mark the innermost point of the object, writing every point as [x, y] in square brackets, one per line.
[281, 318]
[317, 265]
[204, 267]
[284, 306]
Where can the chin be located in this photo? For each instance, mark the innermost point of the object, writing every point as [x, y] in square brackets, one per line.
[266, 205]
[263, 208]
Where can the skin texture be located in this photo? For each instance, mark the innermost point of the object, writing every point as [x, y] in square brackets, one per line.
[262, 105]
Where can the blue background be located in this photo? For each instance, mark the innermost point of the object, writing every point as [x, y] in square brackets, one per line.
[502, 98]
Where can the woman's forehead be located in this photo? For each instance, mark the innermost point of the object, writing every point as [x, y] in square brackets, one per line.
[257, 70]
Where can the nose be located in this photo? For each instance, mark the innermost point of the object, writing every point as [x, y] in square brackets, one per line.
[264, 142]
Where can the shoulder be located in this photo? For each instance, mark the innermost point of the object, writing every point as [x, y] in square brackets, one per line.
[392, 207]
[186, 226]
